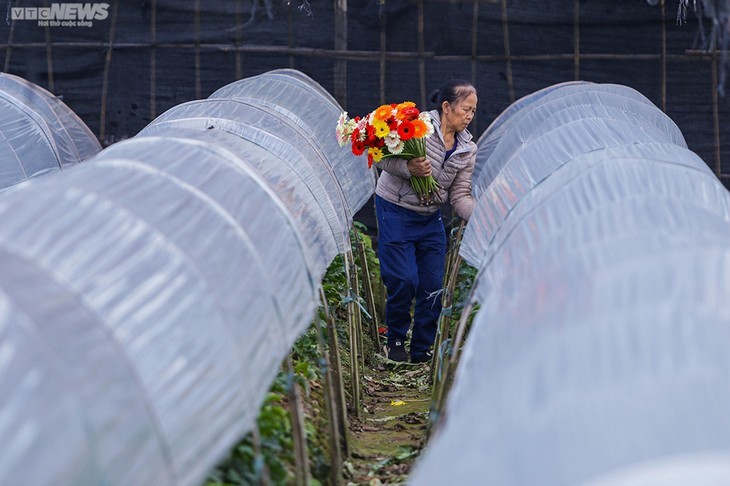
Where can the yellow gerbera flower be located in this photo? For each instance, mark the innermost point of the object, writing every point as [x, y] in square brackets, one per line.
[383, 112]
[381, 128]
[376, 153]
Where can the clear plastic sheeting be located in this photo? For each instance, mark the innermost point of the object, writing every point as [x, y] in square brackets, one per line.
[148, 297]
[557, 127]
[598, 353]
[38, 132]
[310, 106]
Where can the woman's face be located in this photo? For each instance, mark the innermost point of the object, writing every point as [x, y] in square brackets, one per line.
[459, 115]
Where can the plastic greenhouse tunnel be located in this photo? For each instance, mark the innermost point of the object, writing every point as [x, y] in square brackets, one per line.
[38, 132]
[131, 352]
[598, 354]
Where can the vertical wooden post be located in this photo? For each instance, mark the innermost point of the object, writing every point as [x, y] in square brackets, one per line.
[715, 111]
[341, 45]
[49, 56]
[421, 54]
[153, 59]
[290, 31]
[383, 47]
[507, 52]
[239, 66]
[576, 40]
[664, 57]
[354, 338]
[105, 76]
[198, 90]
[368, 289]
[474, 52]
[9, 49]
[299, 436]
[334, 396]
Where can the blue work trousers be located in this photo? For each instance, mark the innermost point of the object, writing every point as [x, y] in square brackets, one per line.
[412, 252]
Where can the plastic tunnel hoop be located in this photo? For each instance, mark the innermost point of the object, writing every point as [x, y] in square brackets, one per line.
[38, 133]
[598, 351]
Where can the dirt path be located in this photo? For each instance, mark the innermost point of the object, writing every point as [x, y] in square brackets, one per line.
[391, 432]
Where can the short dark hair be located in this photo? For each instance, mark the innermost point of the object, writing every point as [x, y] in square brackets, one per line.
[452, 91]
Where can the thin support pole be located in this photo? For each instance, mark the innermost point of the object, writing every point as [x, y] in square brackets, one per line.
[336, 385]
[239, 53]
[341, 45]
[421, 57]
[474, 52]
[153, 59]
[299, 436]
[105, 76]
[576, 40]
[265, 478]
[49, 56]
[451, 275]
[198, 87]
[9, 46]
[507, 52]
[383, 47]
[715, 112]
[369, 294]
[290, 31]
[335, 398]
[664, 57]
[448, 368]
[354, 332]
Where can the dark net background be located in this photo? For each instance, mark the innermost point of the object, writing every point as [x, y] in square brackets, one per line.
[148, 56]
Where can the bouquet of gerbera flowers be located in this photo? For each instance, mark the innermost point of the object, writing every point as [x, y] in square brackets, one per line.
[397, 130]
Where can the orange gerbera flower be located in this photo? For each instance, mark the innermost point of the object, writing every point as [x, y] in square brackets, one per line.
[404, 105]
[383, 112]
[419, 128]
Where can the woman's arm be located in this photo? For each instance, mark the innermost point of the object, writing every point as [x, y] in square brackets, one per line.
[395, 166]
[460, 193]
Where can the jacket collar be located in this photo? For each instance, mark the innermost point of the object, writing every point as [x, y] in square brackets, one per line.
[463, 136]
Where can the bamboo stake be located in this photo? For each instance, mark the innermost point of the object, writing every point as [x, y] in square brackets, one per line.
[299, 436]
[383, 47]
[334, 399]
[507, 52]
[198, 89]
[105, 77]
[369, 294]
[576, 40]
[664, 57]
[421, 50]
[153, 59]
[239, 66]
[336, 383]
[49, 56]
[265, 479]
[474, 52]
[341, 45]
[450, 277]
[354, 341]
[715, 112]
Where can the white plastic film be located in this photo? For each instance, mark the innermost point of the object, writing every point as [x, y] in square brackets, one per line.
[597, 355]
[38, 133]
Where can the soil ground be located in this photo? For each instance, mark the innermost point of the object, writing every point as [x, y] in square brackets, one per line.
[391, 431]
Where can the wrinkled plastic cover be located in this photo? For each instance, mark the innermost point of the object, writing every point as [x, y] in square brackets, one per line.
[304, 101]
[149, 295]
[278, 134]
[38, 132]
[551, 132]
[598, 354]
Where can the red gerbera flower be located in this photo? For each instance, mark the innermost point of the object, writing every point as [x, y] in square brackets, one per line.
[392, 123]
[358, 147]
[405, 130]
[370, 160]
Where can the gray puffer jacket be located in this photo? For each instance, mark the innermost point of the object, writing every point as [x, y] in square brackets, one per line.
[453, 175]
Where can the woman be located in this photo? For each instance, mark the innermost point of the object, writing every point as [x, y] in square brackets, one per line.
[411, 236]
